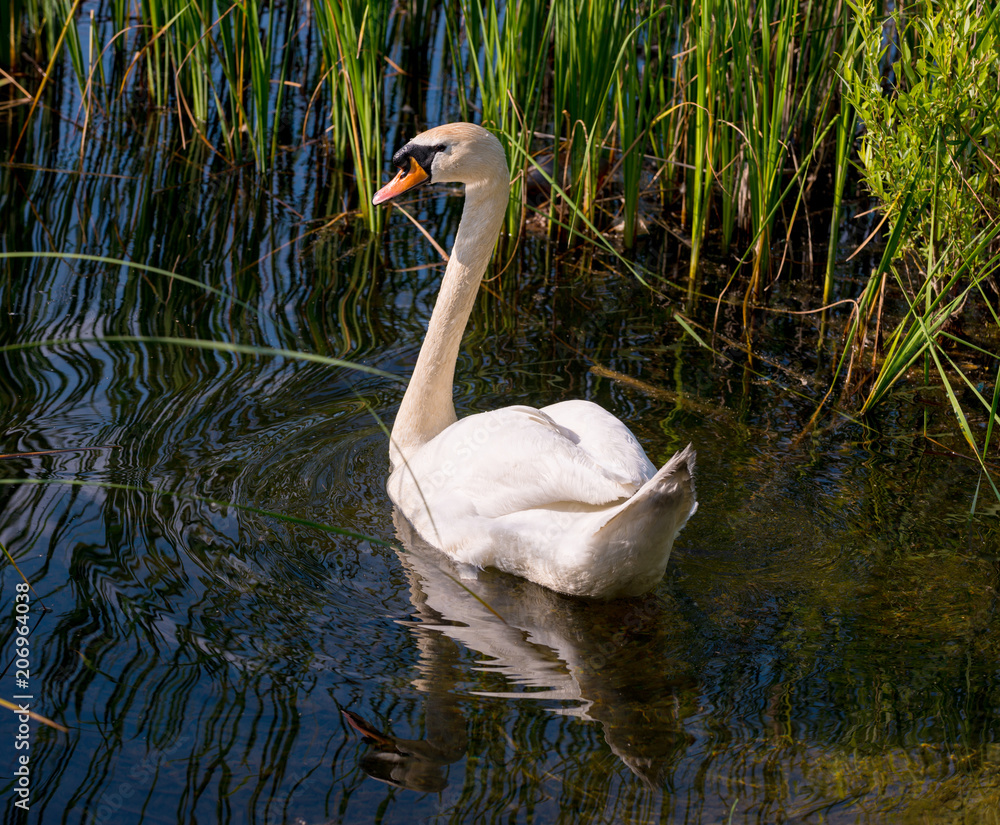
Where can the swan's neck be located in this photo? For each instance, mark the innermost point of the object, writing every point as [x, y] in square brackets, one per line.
[428, 407]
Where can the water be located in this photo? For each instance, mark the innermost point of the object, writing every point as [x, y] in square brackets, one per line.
[822, 649]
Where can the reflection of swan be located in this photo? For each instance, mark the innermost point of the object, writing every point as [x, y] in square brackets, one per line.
[563, 496]
[578, 658]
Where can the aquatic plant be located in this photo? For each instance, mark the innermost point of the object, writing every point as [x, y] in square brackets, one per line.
[505, 81]
[353, 37]
[604, 94]
[925, 90]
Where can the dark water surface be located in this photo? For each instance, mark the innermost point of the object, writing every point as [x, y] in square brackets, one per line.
[824, 647]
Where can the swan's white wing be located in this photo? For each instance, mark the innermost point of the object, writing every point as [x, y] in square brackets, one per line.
[510, 460]
[517, 490]
[604, 438]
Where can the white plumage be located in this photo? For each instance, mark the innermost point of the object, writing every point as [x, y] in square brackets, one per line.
[563, 495]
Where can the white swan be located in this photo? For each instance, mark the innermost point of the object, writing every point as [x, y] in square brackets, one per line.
[564, 495]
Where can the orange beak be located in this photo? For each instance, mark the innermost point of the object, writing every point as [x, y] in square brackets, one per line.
[406, 179]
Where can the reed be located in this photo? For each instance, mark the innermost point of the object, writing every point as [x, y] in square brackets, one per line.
[607, 84]
[38, 31]
[505, 79]
[640, 74]
[708, 43]
[353, 35]
[846, 125]
[588, 38]
[666, 143]
[766, 42]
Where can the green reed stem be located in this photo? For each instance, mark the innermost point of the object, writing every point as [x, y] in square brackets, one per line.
[703, 22]
[353, 36]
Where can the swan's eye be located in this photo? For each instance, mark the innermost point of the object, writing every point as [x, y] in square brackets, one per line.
[441, 147]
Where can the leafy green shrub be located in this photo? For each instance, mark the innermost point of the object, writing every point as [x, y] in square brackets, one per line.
[925, 85]
[931, 120]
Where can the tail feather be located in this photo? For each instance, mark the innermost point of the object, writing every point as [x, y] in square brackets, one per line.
[659, 509]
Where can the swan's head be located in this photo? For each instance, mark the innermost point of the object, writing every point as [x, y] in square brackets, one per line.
[452, 153]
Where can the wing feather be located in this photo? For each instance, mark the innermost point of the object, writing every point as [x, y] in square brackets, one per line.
[517, 458]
